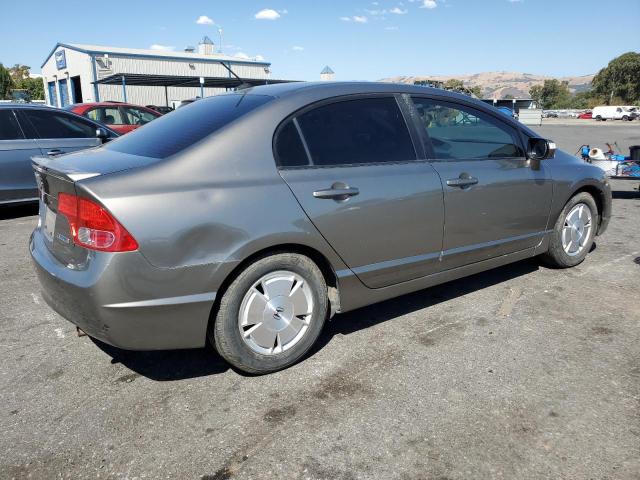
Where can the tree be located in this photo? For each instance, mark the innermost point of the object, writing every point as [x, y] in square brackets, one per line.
[552, 94]
[620, 78]
[454, 84]
[34, 87]
[19, 72]
[6, 83]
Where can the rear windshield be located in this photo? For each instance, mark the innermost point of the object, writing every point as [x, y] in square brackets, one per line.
[178, 130]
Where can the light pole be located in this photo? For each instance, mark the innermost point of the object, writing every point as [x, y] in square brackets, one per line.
[220, 44]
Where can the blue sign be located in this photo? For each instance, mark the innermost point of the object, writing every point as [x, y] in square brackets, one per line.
[61, 60]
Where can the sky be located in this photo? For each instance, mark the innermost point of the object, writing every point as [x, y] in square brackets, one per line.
[358, 39]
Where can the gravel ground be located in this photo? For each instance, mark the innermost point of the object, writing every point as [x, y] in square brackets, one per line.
[521, 372]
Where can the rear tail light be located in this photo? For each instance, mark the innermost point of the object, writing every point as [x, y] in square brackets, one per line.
[93, 227]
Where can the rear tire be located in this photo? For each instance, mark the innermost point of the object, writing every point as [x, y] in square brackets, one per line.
[573, 233]
[271, 314]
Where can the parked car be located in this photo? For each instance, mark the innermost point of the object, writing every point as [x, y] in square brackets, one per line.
[27, 130]
[612, 112]
[185, 231]
[549, 114]
[508, 112]
[160, 109]
[586, 116]
[120, 117]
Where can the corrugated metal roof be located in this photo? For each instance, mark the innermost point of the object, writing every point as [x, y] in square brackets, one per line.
[153, 53]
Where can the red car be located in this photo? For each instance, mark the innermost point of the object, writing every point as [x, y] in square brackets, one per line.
[585, 116]
[121, 117]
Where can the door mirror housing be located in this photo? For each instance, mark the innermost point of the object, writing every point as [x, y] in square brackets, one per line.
[540, 149]
[102, 134]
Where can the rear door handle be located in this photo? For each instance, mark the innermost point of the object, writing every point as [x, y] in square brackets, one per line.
[55, 151]
[336, 192]
[462, 182]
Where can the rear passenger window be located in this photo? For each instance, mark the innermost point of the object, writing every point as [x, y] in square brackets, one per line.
[289, 149]
[53, 124]
[352, 132]
[458, 132]
[9, 128]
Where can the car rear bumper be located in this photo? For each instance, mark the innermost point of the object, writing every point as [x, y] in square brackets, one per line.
[122, 300]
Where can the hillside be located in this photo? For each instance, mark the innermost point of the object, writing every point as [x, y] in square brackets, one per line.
[500, 84]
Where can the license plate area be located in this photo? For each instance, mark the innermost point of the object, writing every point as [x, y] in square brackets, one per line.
[49, 223]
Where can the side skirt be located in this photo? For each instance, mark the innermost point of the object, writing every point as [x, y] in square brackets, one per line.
[353, 293]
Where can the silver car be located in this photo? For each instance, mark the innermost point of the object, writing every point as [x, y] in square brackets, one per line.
[27, 130]
[248, 219]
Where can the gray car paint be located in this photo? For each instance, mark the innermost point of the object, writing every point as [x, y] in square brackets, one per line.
[17, 182]
[200, 215]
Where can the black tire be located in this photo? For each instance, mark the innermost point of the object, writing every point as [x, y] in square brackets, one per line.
[225, 334]
[556, 255]
[598, 118]
[625, 118]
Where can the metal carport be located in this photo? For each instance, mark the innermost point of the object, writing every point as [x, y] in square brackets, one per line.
[166, 81]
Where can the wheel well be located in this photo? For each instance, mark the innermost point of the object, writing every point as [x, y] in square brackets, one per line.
[318, 258]
[597, 197]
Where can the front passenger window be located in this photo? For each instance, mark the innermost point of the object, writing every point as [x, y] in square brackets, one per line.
[458, 132]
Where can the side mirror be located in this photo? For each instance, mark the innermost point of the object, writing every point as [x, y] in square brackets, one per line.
[540, 149]
[102, 134]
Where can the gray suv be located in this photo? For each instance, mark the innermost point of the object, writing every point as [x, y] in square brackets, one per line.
[248, 219]
[30, 130]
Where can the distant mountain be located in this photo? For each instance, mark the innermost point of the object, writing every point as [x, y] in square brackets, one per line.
[501, 84]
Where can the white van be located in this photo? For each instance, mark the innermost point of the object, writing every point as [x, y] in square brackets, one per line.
[613, 112]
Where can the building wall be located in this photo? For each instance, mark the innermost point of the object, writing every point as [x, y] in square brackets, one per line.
[78, 63]
[83, 64]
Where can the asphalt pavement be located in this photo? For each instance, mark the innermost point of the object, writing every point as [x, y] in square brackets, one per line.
[522, 372]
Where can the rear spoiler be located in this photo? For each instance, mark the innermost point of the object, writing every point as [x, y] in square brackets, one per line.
[46, 165]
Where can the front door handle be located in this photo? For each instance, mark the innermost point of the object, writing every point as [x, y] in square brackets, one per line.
[338, 191]
[54, 152]
[462, 181]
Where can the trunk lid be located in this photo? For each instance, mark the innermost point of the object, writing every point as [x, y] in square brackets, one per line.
[55, 175]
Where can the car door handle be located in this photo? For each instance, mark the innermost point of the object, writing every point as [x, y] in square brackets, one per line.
[462, 182]
[55, 151]
[337, 193]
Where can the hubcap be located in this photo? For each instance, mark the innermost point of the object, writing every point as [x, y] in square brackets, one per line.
[577, 229]
[275, 313]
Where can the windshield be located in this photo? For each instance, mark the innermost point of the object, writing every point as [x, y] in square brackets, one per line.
[178, 130]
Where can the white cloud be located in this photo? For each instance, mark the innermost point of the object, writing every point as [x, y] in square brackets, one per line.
[267, 14]
[284, 12]
[297, 48]
[241, 55]
[345, 19]
[259, 58]
[204, 20]
[360, 19]
[162, 48]
[429, 4]
[398, 11]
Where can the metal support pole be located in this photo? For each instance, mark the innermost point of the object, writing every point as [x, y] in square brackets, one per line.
[166, 95]
[201, 87]
[124, 89]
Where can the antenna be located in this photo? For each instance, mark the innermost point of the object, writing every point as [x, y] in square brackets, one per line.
[220, 44]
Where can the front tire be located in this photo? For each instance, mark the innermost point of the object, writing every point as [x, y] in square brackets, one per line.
[271, 314]
[573, 233]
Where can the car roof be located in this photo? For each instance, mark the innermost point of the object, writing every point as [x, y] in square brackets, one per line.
[337, 88]
[27, 105]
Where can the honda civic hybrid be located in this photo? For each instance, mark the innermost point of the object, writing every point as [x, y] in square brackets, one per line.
[248, 219]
